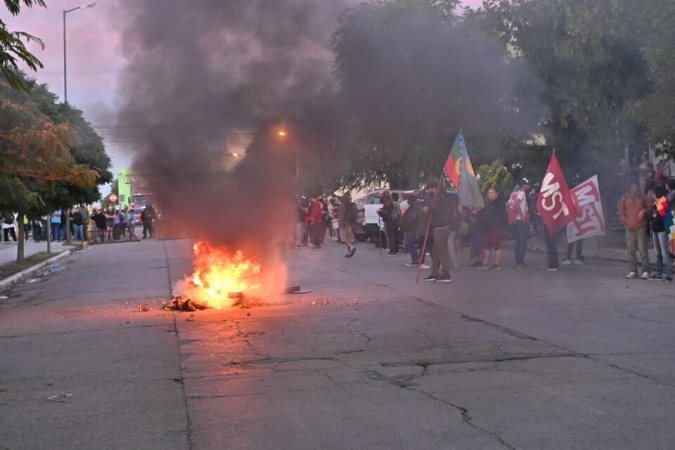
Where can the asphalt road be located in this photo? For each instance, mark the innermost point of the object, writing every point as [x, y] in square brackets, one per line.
[580, 358]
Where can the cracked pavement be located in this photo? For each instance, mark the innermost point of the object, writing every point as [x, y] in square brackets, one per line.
[580, 358]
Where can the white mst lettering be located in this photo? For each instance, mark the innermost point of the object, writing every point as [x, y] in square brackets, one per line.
[553, 198]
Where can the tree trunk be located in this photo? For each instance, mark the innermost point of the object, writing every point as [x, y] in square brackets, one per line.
[49, 234]
[20, 254]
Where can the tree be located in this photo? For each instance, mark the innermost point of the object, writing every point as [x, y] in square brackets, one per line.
[13, 49]
[46, 162]
[410, 74]
[589, 57]
[657, 109]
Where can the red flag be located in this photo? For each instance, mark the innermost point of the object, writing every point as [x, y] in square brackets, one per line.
[556, 203]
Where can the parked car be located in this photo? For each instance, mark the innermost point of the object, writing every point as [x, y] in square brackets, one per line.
[369, 223]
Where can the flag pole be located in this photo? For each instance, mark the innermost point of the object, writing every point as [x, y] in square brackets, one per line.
[426, 234]
[441, 181]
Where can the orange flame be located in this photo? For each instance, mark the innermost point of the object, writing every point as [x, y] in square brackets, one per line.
[218, 272]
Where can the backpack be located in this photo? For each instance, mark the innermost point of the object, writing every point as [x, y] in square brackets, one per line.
[512, 208]
[408, 219]
[350, 212]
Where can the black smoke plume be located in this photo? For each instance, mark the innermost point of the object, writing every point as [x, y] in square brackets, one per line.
[204, 73]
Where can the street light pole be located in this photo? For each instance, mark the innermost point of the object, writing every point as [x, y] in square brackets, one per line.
[284, 134]
[69, 237]
[65, 62]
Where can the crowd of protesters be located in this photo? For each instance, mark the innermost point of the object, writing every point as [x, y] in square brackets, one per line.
[100, 225]
[433, 223]
[318, 216]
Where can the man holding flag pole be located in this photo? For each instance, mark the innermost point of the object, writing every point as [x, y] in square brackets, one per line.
[557, 208]
[444, 211]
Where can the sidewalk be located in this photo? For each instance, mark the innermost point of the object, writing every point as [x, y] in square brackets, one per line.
[8, 249]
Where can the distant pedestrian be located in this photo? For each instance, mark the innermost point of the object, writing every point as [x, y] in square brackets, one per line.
[36, 225]
[518, 216]
[407, 224]
[26, 228]
[148, 219]
[441, 208]
[492, 222]
[315, 221]
[99, 220]
[578, 257]
[347, 214]
[657, 223]
[633, 210]
[389, 214]
[78, 225]
[55, 222]
[8, 226]
[132, 224]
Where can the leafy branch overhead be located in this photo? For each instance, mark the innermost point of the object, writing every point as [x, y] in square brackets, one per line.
[13, 49]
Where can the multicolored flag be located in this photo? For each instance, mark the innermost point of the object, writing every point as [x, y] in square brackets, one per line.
[555, 203]
[459, 170]
[452, 164]
[590, 221]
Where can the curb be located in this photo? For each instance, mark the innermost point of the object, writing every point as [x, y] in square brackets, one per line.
[17, 277]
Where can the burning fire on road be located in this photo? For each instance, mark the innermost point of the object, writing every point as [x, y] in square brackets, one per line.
[222, 277]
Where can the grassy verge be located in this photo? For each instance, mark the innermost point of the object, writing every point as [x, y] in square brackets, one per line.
[9, 269]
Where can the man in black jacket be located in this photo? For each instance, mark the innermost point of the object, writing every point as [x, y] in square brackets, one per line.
[441, 208]
[492, 222]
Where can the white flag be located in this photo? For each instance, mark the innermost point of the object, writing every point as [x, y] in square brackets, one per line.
[590, 221]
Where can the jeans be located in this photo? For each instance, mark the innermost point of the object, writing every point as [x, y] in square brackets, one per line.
[452, 249]
[660, 240]
[439, 252]
[392, 238]
[410, 243]
[522, 232]
[79, 232]
[580, 248]
[552, 261]
[56, 231]
[476, 240]
[637, 238]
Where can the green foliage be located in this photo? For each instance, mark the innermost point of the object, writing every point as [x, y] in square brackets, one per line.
[13, 49]
[495, 175]
[50, 157]
[590, 57]
[410, 75]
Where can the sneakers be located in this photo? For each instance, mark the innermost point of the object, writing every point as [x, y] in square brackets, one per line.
[552, 269]
[496, 267]
[633, 275]
[483, 267]
[668, 279]
[567, 262]
[579, 262]
[645, 275]
[654, 277]
[392, 253]
[430, 278]
[425, 266]
[477, 264]
[411, 264]
[351, 252]
[520, 266]
[444, 279]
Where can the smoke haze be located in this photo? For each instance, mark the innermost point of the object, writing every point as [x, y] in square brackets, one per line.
[204, 73]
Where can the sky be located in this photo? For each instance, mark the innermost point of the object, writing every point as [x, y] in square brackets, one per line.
[94, 61]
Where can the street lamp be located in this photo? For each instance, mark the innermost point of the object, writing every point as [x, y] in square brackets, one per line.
[69, 237]
[282, 133]
[65, 71]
